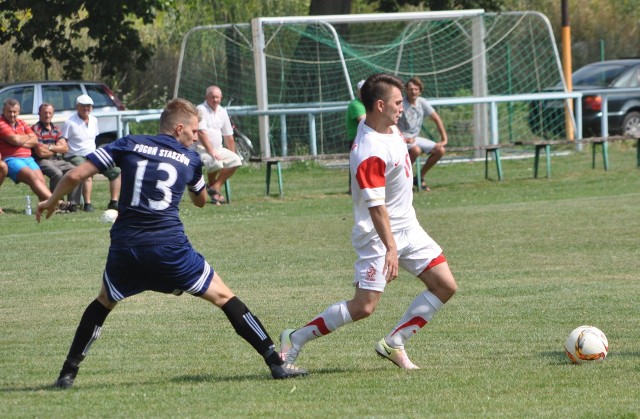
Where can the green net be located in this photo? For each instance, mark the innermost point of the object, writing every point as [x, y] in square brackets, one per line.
[315, 65]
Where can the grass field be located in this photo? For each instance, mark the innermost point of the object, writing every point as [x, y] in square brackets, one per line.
[534, 258]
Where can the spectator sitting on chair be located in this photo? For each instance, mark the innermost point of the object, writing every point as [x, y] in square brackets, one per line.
[215, 125]
[416, 108]
[355, 113]
[81, 130]
[16, 141]
[48, 153]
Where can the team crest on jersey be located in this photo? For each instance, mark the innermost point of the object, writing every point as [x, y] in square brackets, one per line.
[371, 273]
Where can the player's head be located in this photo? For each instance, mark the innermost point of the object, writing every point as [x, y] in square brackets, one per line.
[180, 120]
[378, 87]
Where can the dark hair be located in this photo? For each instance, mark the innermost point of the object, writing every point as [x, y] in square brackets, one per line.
[44, 105]
[378, 86]
[417, 82]
[177, 111]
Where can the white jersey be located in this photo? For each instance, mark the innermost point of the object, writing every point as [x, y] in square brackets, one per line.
[381, 174]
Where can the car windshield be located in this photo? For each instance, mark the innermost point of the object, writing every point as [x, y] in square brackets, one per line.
[598, 75]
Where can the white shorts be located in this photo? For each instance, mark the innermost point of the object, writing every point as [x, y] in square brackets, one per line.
[229, 159]
[416, 250]
[425, 144]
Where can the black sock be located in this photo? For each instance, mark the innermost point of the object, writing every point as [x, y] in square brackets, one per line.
[88, 331]
[250, 329]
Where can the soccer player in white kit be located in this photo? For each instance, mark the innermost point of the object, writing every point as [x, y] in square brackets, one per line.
[386, 234]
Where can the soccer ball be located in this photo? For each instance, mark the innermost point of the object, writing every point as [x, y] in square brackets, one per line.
[586, 344]
[109, 216]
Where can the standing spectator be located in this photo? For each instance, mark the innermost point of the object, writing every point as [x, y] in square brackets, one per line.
[81, 130]
[416, 108]
[220, 162]
[16, 141]
[386, 234]
[355, 113]
[48, 153]
[149, 249]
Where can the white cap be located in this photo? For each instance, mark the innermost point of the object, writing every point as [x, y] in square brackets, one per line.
[84, 100]
[360, 84]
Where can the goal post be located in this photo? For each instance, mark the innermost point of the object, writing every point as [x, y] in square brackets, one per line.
[291, 78]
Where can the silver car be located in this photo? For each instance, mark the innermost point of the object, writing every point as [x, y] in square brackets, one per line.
[62, 95]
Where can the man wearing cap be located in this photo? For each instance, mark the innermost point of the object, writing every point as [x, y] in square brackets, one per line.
[355, 114]
[81, 130]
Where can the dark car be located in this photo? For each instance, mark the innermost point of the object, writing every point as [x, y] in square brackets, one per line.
[62, 95]
[547, 118]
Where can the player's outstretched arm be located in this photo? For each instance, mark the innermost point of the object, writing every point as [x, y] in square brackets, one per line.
[69, 181]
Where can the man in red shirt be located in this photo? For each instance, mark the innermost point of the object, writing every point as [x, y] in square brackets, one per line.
[16, 141]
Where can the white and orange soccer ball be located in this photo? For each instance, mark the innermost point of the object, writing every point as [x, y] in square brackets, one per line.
[586, 344]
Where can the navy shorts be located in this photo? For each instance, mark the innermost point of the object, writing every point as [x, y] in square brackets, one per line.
[163, 268]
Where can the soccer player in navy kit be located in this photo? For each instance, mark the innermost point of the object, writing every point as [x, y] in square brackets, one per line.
[149, 249]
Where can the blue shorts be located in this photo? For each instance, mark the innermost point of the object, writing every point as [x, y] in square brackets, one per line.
[163, 268]
[16, 164]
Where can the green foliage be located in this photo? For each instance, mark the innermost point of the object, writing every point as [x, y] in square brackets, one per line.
[533, 259]
[50, 31]
[389, 6]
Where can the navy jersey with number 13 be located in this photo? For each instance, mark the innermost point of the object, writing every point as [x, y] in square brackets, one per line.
[155, 172]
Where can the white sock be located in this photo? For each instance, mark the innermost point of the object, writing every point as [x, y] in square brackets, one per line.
[420, 312]
[333, 317]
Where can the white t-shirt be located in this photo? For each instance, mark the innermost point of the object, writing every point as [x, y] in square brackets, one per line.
[215, 123]
[410, 122]
[81, 137]
[381, 174]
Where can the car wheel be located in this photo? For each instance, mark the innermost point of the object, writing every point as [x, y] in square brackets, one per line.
[631, 124]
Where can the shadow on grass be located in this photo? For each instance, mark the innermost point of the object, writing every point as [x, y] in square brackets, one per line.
[204, 378]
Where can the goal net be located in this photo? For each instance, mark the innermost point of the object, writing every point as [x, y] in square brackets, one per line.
[290, 79]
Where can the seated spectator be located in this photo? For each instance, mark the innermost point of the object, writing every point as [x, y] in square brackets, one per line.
[81, 130]
[220, 162]
[48, 154]
[16, 141]
[416, 108]
[3, 174]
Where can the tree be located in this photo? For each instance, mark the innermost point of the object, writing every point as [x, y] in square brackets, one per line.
[395, 5]
[58, 30]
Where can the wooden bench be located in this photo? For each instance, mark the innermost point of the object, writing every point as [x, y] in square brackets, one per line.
[602, 142]
[277, 162]
[489, 150]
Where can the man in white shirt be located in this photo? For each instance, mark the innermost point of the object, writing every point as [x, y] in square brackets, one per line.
[215, 125]
[416, 108]
[386, 234]
[81, 130]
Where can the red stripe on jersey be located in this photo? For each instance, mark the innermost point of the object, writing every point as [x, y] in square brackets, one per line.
[371, 173]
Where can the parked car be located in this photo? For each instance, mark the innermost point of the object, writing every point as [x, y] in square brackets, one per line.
[546, 118]
[62, 95]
